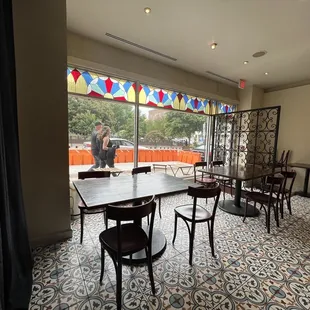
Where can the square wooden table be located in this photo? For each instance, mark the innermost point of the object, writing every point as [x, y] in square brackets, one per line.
[239, 174]
[105, 191]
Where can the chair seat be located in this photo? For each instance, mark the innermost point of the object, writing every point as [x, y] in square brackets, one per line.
[223, 179]
[134, 238]
[205, 180]
[260, 197]
[186, 211]
[266, 188]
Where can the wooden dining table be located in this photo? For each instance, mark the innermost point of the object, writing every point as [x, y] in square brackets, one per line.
[239, 174]
[124, 189]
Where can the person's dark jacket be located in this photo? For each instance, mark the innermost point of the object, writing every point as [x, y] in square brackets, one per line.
[95, 144]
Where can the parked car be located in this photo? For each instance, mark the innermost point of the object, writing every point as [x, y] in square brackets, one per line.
[118, 142]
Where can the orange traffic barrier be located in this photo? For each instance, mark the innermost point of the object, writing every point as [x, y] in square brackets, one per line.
[129, 156]
[87, 158]
[159, 155]
[141, 156]
[121, 156]
[189, 158]
[165, 155]
[154, 155]
[77, 158]
[179, 156]
[148, 155]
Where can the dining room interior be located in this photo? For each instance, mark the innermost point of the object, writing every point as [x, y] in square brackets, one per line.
[204, 202]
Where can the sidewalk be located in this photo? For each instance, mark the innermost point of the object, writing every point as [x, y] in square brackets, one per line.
[127, 167]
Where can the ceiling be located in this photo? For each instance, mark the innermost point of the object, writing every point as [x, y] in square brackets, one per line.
[184, 29]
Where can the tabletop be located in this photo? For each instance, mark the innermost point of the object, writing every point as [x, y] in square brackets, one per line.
[300, 165]
[103, 191]
[240, 173]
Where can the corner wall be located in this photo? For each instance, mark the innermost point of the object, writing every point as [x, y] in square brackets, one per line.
[41, 58]
[95, 55]
[294, 124]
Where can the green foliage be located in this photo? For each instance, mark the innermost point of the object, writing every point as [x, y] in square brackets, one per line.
[181, 125]
[82, 122]
[155, 136]
[83, 112]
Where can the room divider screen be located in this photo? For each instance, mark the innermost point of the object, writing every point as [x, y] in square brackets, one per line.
[246, 137]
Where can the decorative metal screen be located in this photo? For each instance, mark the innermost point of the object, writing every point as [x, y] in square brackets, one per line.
[246, 137]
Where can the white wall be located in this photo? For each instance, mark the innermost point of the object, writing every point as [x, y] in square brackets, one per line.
[95, 55]
[252, 97]
[294, 123]
[41, 59]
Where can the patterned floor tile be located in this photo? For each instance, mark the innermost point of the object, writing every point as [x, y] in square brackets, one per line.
[251, 268]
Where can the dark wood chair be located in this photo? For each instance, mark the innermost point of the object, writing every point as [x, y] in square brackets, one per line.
[267, 201]
[289, 179]
[145, 170]
[137, 170]
[194, 213]
[283, 161]
[222, 180]
[83, 209]
[200, 177]
[126, 239]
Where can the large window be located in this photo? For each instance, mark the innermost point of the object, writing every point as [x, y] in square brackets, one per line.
[167, 121]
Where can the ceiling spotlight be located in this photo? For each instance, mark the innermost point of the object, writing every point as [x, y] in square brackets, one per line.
[213, 46]
[147, 10]
[266, 73]
[245, 62]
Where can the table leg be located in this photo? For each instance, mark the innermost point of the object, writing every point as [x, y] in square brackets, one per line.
[305, 193]
[235, 206]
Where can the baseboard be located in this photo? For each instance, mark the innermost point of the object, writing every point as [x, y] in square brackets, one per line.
[51, 238]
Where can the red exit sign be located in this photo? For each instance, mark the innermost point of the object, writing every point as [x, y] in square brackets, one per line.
[241, 84]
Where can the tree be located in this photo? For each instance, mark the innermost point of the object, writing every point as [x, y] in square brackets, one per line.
[155, 136]
[83, 123]
[183, 124]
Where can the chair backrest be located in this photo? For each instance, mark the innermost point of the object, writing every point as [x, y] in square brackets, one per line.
[132, 213]
[93, 174]
[289, 175]
[200, 164]
[278, 180]
[217, 163]
[137, 170]
[286, 157]
[281, 160]
[203, 192]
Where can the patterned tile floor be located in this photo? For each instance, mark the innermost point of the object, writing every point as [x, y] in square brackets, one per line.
[251, 270]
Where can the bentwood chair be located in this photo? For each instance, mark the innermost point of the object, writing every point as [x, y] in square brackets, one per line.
[145, 170]
[286, 192]
[127, 239]
[83, 209]
[194, 213]
[267, 201]
[222, 180]
[200, 177]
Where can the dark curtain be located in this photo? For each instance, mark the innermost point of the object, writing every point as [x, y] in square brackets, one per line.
[15, 253]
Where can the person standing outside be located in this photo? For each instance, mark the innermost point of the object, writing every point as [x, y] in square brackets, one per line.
[95, 146]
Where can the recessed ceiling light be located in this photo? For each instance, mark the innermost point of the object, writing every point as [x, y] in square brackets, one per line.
[245, 62]
[213, 46]
[266, 73]
[147, 10]
[259, 54]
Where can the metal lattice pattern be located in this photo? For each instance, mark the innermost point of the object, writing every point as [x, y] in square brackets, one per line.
[246, 137]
